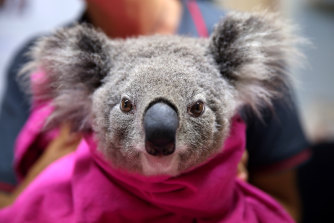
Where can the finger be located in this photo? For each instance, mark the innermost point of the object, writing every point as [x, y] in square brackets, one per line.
[244, 158]
[242, 172]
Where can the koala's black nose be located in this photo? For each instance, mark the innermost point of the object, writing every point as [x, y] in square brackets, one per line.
[160, 125]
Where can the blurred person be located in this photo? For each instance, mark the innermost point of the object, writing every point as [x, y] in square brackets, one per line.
[275, 145]
[16, 6]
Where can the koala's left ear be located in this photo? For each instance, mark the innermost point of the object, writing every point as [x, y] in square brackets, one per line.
[74, 61]
[253, 52]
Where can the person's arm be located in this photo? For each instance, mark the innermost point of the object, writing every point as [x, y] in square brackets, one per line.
[276, 146]
[283, 187]
[14, 111]
[64, 144]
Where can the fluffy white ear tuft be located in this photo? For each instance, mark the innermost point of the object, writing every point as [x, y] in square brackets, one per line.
[74, 60]
[254, 52]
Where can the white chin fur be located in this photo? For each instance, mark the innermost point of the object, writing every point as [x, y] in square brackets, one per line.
[159, 165]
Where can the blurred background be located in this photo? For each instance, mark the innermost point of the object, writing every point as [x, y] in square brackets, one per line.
[315, 82]
[23, 19]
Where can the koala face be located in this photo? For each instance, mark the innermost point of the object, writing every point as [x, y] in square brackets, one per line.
[164, 108]
[161, 105]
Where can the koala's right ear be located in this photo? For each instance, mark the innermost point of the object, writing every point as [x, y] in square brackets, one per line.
[74, 61]
[253, 52]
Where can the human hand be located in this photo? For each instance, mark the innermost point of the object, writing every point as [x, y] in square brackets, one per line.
[65, 143]
[242, 172]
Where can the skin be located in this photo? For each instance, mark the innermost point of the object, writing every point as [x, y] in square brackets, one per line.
[282, 185]
[62, 145]
[150, 22]
[138, 17]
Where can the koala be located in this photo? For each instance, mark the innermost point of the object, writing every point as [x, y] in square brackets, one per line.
[162, 104]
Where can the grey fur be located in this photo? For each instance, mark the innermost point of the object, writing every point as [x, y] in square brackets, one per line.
[244, 62]
[254, 51]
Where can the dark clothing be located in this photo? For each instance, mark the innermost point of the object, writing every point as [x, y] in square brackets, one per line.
[13, 114]
[278, 138]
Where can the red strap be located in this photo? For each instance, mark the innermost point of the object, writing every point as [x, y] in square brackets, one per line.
[197, 18]
[5, 187]
[289, 163]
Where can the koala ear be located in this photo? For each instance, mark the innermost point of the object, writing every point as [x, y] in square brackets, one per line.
[253, 52]
[75, 61]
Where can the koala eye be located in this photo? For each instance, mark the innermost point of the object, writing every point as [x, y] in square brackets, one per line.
[196, 109]
[126, 105]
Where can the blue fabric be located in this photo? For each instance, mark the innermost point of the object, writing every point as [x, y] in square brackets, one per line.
[14, 112]
[186, 26]
[210, 13]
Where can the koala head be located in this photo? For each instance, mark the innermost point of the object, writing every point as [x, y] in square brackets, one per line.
[160, 105]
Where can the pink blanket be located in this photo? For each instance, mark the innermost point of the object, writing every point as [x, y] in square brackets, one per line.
[82, 187]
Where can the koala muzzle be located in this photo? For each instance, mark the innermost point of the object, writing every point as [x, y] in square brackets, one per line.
[160, 124]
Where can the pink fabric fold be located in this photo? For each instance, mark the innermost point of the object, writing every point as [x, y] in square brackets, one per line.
[83, 187]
